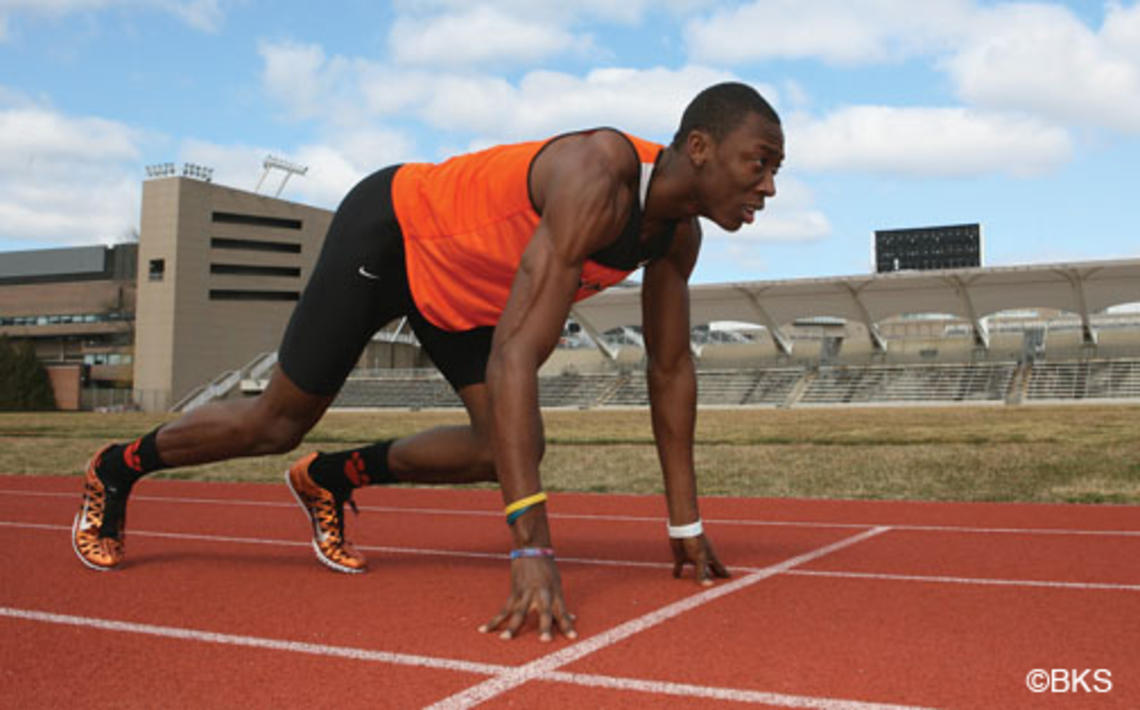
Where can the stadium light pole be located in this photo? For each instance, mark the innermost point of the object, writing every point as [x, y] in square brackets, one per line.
[272, 162]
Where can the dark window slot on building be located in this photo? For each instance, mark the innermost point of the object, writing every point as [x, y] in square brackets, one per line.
[222, 294]
[255, 245]
[157, 269]
[256, 220]
[251, 270]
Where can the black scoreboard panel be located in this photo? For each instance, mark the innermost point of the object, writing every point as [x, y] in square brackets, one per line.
[954, 246]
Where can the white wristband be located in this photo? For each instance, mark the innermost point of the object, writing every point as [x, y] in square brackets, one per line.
[690, 530]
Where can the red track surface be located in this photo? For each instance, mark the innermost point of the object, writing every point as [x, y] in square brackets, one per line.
[833, 604]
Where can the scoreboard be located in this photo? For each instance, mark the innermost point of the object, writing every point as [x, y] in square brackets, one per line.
[954, 246]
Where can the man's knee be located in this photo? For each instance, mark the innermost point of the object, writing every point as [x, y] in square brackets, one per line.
[273, 435]
[281, 416]
[269, 430]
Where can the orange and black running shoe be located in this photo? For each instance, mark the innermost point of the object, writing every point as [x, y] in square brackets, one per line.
[99, 530]
[326, 514]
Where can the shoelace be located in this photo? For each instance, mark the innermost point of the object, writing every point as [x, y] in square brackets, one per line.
[94, 504]
[331, 516]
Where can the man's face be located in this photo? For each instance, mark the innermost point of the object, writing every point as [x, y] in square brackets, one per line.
[736, 174]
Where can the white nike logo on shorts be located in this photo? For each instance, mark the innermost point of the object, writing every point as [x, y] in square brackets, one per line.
[367, 274]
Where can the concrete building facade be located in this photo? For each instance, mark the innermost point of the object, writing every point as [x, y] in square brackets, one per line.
[220, 271]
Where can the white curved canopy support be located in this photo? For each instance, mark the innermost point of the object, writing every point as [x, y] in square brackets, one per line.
[877, 340]
[783, 342]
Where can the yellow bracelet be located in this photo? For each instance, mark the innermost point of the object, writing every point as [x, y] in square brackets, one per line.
[521, 503]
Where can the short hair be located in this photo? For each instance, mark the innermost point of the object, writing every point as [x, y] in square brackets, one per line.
[720, 108]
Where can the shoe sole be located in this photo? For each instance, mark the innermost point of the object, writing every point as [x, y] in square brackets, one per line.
[79, 516]
[336, 566]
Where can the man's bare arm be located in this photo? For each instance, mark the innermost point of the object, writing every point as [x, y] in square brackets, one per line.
[585, 200]
[673, 392]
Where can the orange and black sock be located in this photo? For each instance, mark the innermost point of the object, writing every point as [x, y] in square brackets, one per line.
[123, 464]
[343, 471]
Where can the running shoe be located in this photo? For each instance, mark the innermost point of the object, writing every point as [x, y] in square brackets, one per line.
[326, 514]
[99, 530]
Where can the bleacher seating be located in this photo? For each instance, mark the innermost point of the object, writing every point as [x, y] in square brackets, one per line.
[631, 390]
[773, 386]
[885, 384]
[399, 392]
[725, 387]
[828, 386]
[715, 387]
[573, 389]
[1088, 379]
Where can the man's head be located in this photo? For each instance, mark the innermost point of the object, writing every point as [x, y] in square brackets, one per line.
[734, 141]
[719, 109]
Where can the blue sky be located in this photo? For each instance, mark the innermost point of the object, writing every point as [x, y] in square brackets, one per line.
[1022, 116]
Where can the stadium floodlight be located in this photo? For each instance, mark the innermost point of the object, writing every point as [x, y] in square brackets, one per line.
[272, 162]
[198, 172]
[160, 170]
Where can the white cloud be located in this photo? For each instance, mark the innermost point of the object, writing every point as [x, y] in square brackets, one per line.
[54, 7]
[836, 31]
[1121, 31]
[334, 165]
[66, 179]
[30, 135]
[1029, 57]
[561, 13]
[477, 35]
[298, 76]
[204, 15]
[925, 142]
[356, 92]
[1043, 59]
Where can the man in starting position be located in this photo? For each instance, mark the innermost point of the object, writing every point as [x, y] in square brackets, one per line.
[485, 254]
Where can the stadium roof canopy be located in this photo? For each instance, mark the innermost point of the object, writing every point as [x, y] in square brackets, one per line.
[1083, 288]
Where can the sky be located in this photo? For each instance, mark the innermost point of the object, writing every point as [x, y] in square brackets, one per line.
[1023, 116]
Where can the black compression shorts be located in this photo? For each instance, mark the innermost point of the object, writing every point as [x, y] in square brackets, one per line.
[359, 285]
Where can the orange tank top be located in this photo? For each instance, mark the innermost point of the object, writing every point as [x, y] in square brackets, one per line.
[466, 223]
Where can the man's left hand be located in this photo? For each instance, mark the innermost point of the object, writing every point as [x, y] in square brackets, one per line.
[698, 552]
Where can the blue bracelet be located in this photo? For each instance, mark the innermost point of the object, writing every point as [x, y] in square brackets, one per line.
[516, 514]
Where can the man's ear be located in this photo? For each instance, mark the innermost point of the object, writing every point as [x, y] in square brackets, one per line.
[698, 146]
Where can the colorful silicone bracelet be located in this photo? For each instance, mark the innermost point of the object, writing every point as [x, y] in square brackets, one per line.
[532, 552]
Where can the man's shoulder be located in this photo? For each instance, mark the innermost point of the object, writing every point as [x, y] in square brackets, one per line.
[599, 152]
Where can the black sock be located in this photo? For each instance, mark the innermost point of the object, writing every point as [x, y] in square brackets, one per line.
[343, 471]
[123, 464]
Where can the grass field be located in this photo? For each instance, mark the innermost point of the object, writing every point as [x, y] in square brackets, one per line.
[1087, 454]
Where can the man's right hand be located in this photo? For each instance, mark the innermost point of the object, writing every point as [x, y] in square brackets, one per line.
[535, 586]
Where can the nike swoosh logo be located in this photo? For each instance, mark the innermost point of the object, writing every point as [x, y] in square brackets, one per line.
[367, 274]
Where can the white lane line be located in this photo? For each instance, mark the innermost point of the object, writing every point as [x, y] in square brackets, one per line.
[619, 518]
[657, 687]
[515, 677]
[941, 579]
[174, 632]
[403, 659]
